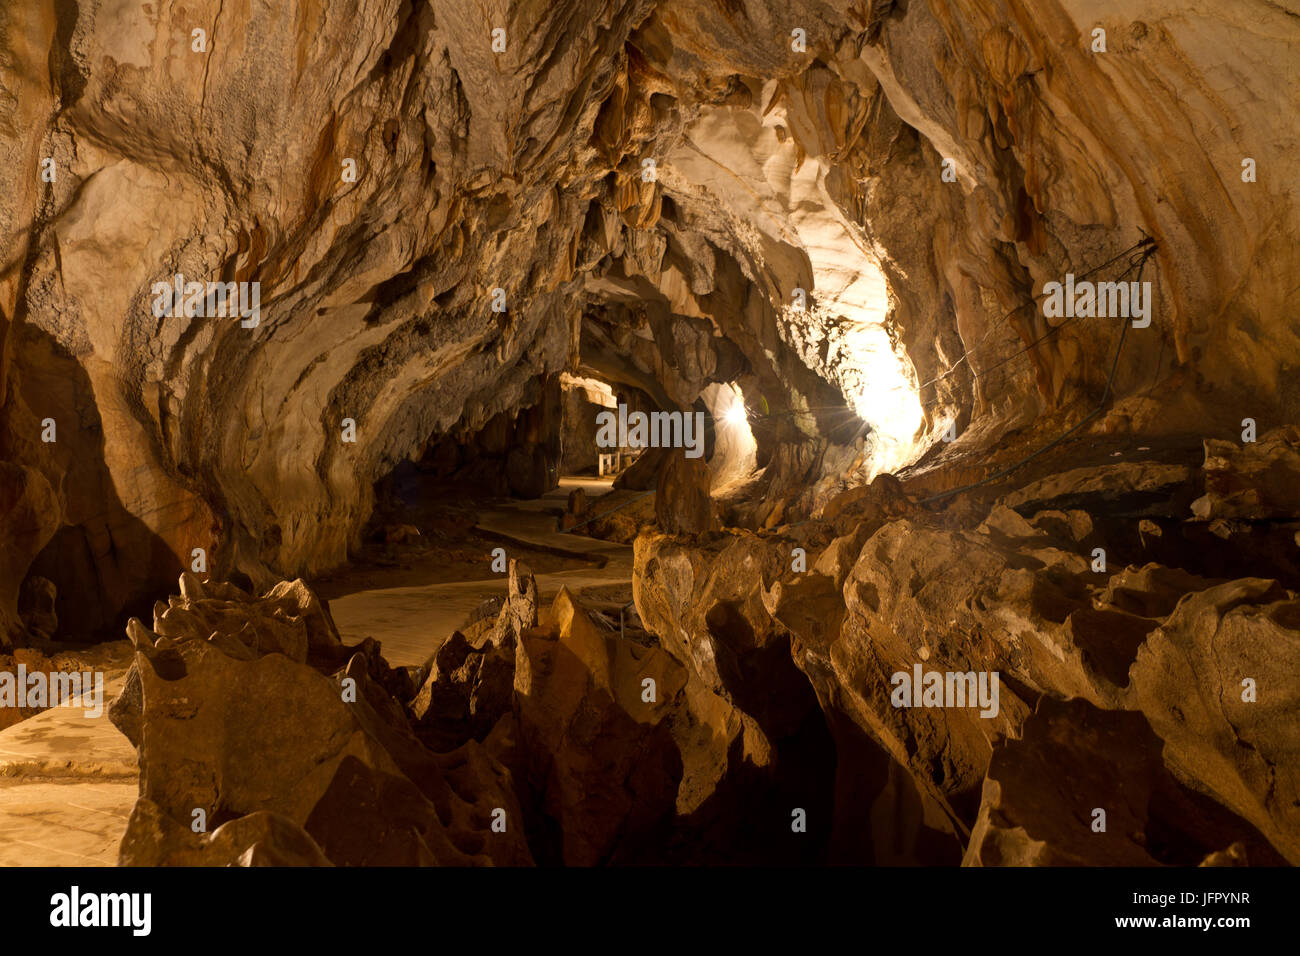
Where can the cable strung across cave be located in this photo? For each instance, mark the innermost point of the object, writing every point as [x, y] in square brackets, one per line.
[1149, 246]
[1143, 243]
[1140, 265]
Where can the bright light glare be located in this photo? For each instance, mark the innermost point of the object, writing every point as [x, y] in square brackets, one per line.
[878, 387]
[735, 415]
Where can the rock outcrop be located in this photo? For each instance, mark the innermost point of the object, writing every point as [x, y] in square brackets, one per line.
[535, 736]
[1084, 787]
[1076, 642]
[263, 739]
[978, 685]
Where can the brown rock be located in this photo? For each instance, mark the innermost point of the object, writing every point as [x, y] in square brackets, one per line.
[1255, 480]
[29, 516]
[869, 505]
[260, 731]
[258, 839]
[36, 606]
[643, 474]
[469, 688]
[1043, 793]
[1236, 741]
[601, 755]
[705, 602]
[619, 516]
[520, 610]
[682, 502]
[577, 502]
[1145, 487]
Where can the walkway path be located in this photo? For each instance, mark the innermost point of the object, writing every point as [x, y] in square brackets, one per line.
[67, 786]
[68, 782]
[412, 622]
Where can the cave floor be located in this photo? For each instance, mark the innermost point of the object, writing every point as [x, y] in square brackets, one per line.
[67, 786]
[412, 621]
[68, 782]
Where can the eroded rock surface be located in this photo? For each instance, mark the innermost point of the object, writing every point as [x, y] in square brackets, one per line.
[1167, 664]
[440, 228]
[537, 735]
[236, 728]
[847, 215]
[1084, 787]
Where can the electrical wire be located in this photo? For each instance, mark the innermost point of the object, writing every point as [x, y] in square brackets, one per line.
[1101, 405]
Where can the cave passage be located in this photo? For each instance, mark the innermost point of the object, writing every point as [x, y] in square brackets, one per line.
[660, 432]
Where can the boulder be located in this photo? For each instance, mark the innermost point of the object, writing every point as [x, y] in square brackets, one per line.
[1254, 480]
[1218, 682]
[618, 516]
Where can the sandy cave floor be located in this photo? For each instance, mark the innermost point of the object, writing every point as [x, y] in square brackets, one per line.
[68, 781]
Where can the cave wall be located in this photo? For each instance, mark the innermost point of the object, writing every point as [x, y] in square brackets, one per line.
[523, 171]
[516, 453]
[582, 400]
[1066, 156]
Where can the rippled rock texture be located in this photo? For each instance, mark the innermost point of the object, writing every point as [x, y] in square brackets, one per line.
[1135, 675]
[648, 185]
[850, 212]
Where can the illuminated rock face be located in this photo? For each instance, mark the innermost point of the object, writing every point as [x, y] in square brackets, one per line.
[848, 214]
[755, 192]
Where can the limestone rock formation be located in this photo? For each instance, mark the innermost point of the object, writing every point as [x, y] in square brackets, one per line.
[423, 210]
[535, 736]
[1218, 682]
[601, 753]
[706, 606]
[235, 726]
[1256, 480]
[682, 500]
[1051, 799]
[260, 261]
[257, 839]
[1180, 656]
[471, 678]
[619, 516]
[36, 606]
